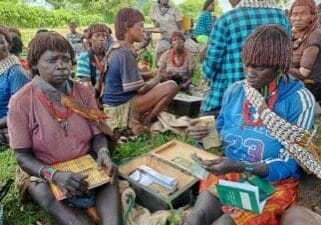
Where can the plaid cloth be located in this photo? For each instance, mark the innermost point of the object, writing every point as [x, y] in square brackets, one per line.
[223, 65]
[204, 24]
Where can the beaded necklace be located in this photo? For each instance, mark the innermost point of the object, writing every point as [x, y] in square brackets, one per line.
[296, 140]
[180, 57]
[6, 63]
[61, 117]
[271, 94]
[100, 65]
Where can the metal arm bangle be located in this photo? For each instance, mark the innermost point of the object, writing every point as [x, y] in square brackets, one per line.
[105, 150]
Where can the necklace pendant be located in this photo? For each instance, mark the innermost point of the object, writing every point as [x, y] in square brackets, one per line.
[64, 124]
[256, 116]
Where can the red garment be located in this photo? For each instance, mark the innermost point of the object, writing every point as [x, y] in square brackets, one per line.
[32, 126]
[284, 197]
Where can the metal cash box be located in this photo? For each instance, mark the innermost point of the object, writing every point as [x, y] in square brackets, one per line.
[164, 160]
[185, 105]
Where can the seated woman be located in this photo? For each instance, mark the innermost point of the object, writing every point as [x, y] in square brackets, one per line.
[50, 121]
[253, 112]
[165, 15]
[306, 62]
[90, 63]
[126, 94]
[205, 23]
[177, 64]
[12, 78]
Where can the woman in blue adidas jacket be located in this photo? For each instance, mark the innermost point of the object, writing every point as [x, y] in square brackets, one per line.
[249, 146]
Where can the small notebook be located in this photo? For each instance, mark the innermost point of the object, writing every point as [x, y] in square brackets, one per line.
[243, 195]
[84, 165]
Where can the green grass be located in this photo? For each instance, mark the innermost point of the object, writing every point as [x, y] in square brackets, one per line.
[15, 211]
[19, 213]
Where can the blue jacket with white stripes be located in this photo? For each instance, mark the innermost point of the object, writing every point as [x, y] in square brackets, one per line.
[254, 143]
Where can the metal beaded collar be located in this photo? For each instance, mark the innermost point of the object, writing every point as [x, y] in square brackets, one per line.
[6, 63]
[258, 4]
[295, 139]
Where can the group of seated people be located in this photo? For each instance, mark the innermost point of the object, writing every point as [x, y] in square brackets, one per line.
[55, 107]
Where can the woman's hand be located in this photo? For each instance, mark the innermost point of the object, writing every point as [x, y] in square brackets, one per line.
[149, 85]
[73, 184]
[104, 161]
[224, 165]
[146, 87]
[198, 132]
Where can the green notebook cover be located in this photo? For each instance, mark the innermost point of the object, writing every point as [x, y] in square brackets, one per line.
[265, 188]
[241, 195]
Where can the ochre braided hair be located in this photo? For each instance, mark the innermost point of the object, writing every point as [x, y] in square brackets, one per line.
[125, 19]
[50, 41]
[95, 28]
[268, 46]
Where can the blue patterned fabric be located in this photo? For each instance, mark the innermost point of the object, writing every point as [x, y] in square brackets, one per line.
[204, 24]
[83, 65]
[223, 65]
[255, 143]
[11, 81]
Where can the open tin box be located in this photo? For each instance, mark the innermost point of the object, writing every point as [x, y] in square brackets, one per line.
[172, 159]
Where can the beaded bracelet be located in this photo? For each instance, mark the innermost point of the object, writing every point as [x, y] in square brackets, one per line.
[105, 150]
[47, 173]
[248, 167]
[40, 171]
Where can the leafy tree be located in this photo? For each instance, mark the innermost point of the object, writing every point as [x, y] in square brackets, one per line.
[107, 8]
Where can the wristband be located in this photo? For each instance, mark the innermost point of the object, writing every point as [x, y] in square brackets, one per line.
[248, 167]
[105, 150]
[40, 171]
[47, 173]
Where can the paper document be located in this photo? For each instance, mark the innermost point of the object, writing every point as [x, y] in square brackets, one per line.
[146, 176]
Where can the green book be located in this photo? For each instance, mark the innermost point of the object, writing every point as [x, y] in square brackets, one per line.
[242, 195]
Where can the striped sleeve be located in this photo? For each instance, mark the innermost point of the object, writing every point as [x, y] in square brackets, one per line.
[130, 77]
[83, 65]
[303, 109]
[302, 113]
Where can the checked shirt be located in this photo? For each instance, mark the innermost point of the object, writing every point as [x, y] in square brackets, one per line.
[223, 65]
